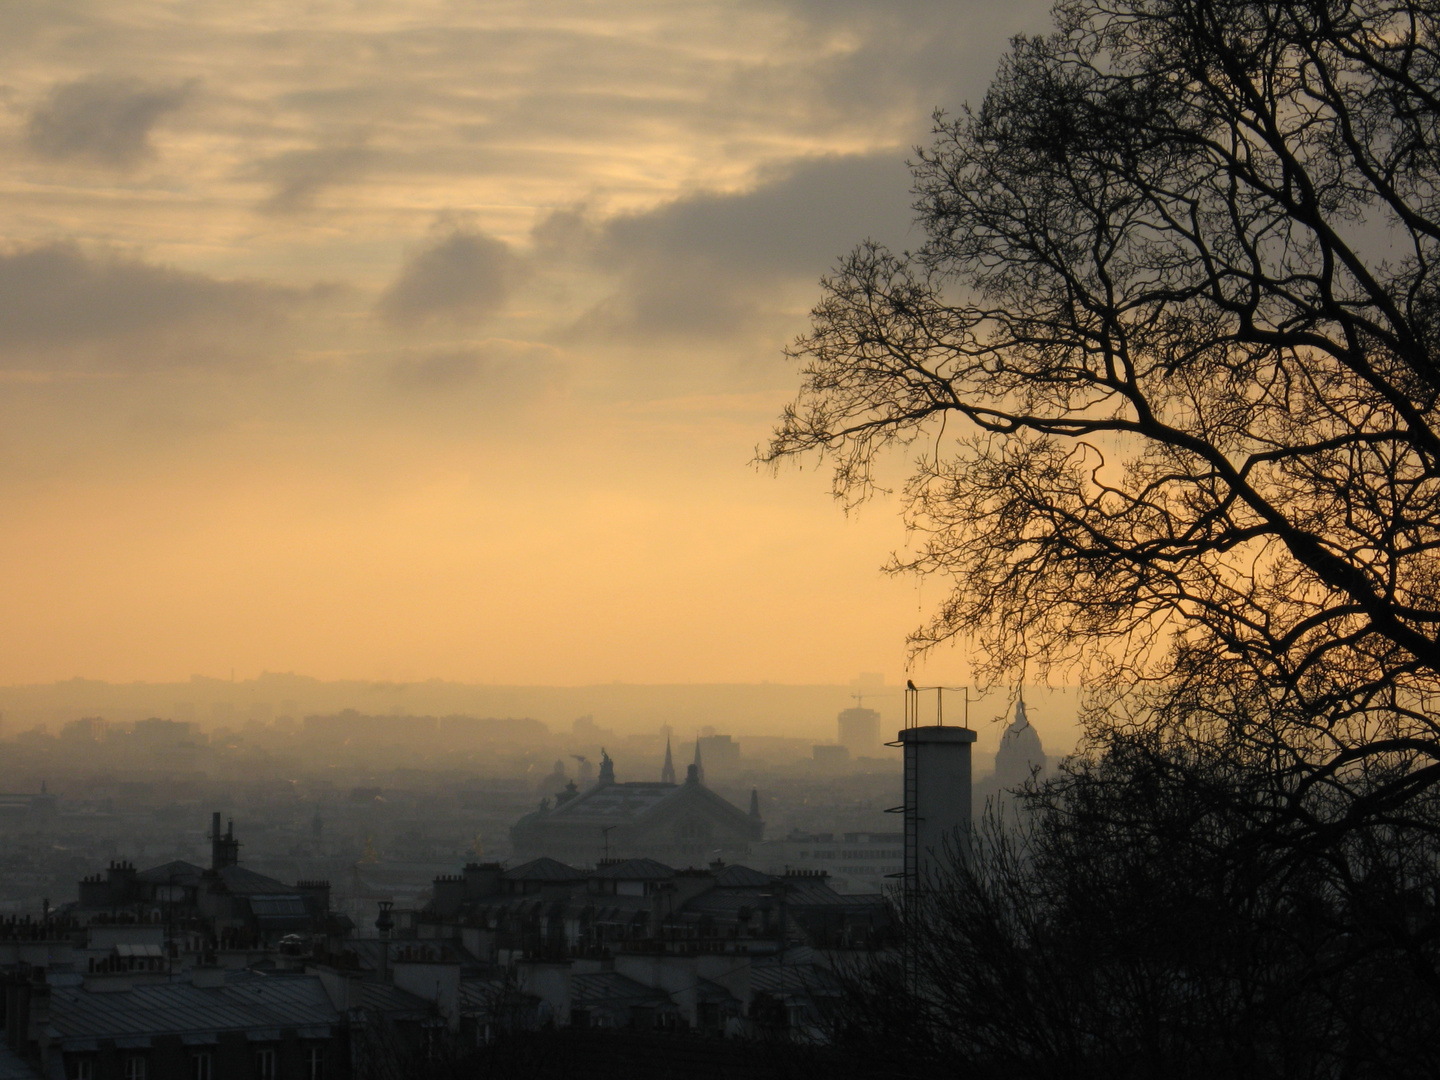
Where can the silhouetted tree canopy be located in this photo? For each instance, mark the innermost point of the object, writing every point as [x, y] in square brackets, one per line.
[1169, 355]
[1127, 926]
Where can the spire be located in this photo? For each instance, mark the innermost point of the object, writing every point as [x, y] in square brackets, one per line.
[1022, 719]
[699, 765]
[667, 772]
[755, 802]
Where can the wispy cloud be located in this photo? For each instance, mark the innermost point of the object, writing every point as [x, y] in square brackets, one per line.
[297, 177]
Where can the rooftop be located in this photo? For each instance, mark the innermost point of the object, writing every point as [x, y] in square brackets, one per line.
[616, 801]
[246, 1002]
[543, 869]
[635, 870]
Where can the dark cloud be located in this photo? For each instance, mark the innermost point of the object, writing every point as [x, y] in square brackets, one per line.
[104, 121]
[714, 263]
[59, 304]
[794, 221]
[902, 58]
[298, 176]
[463, 278]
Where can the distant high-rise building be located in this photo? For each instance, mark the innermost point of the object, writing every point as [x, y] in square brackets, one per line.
[718, 755]
[860, 731]
[156, 732]
[86, 729]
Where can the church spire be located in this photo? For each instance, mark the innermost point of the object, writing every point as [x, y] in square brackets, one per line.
[1022, 717]
[699, 765]
[755, 803]
[667, 772]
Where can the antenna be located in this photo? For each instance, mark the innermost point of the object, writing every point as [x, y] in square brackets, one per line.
[912, 702]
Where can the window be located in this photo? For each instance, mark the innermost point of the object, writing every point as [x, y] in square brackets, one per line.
[314, 1062]
[201, 1066]
[265, 1064]
[135, 1068]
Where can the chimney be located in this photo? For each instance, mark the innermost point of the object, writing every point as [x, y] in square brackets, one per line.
[121, 882]
[318, 892]
[224, 850]
[449, 894]
[482, 879]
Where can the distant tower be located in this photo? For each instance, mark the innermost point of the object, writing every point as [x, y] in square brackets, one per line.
[699, 765]
[1020, 752]
[224, 849]
[937, 794]
[859, 731]
[607, 768]
[755, 803]
[667, 771]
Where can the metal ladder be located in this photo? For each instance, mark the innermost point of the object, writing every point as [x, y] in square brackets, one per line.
[909, 809]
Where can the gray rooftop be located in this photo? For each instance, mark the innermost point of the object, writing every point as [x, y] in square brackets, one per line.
[246, 1002]
[635, 870]
[618, 802]
[543, 869]
[741, 877]
[612, 988]
[178, 872]
[242, 882]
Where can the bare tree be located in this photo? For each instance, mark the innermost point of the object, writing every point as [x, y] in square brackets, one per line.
[1170, 354]
[1125, 926]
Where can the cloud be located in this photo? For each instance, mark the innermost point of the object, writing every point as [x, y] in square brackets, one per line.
[794, 221]
[713, 263]
[101, 120]
[447, 369]
[60, 305]
[902, 59]
[462, 278]
[512, 369]
[298, 176]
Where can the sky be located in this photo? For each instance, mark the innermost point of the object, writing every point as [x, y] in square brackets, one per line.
[436, 339]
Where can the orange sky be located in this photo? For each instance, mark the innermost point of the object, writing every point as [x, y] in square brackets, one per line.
[392, 341]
